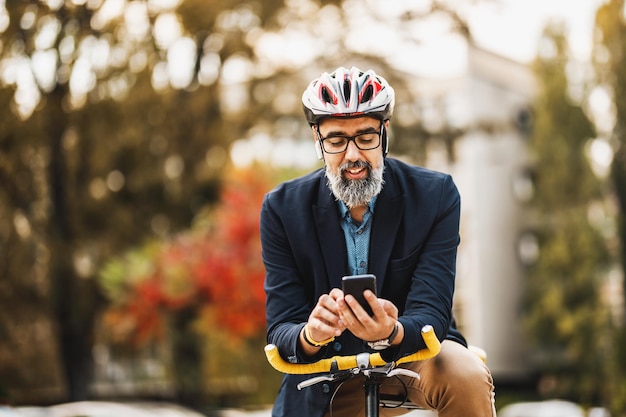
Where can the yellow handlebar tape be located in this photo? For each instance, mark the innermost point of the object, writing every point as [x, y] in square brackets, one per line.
[349, 362]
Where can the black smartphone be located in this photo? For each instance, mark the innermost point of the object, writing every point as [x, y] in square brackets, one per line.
[356, 284]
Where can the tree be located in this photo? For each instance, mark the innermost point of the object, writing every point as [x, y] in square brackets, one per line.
[105, 148]
[610, 60]
[121, 118]
[566, 316]
[186, 289]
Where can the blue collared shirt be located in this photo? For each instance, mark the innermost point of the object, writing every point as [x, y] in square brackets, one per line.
[357, 237]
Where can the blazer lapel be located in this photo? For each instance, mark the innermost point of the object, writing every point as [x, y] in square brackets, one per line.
[387, 218]
[331, 238]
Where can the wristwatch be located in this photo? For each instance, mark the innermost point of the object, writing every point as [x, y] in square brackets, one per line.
[385, 343]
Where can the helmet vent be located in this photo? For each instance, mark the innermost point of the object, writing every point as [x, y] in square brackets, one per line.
[367, 94]
[346, 89]
[326, 96]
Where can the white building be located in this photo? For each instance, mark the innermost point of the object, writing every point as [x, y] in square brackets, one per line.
[490, 102]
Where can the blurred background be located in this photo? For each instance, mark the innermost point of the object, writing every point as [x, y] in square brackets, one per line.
[137, 139]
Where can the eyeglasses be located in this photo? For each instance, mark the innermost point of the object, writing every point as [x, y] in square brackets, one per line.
[339, 143]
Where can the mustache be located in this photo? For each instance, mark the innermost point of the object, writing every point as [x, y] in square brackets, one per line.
[355, 164]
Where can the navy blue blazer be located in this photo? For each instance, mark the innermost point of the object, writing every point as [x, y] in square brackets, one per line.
[413, 246]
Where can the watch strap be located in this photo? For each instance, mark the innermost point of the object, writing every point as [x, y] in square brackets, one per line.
[394, 333]
[385, 343]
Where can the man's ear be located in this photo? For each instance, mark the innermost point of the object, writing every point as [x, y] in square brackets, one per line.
[318, 143]
[318, 150]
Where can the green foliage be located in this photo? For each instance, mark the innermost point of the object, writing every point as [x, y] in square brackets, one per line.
[120, 274]
[610, 60]
[563, 175]
[566, 316]
[89, 174]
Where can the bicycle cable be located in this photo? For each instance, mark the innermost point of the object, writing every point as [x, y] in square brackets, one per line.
[406, 393]
[332, 397]
[338, 387]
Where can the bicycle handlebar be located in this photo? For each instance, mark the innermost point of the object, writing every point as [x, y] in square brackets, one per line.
[343, 363]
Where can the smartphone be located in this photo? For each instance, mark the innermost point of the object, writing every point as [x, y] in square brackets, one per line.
[356, 284]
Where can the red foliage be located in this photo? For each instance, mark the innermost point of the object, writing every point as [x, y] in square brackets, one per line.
[219, 272]
[231, 273]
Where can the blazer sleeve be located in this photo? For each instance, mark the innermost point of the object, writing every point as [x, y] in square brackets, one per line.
[288, 296]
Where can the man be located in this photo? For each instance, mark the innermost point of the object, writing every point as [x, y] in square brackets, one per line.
[365, 213]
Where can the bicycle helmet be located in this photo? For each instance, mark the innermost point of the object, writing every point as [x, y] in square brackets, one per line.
[348, 93]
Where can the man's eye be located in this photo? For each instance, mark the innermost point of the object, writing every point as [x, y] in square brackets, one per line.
[368, 137]
[336, 141]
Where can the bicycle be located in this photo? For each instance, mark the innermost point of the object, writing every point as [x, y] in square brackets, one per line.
[371, 365]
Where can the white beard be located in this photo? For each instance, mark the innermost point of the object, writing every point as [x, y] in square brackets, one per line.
[355, 193]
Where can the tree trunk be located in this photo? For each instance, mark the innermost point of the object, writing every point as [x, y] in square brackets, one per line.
[618, 175]
[74, 299]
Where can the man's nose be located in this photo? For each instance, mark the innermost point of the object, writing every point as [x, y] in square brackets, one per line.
[352, 152]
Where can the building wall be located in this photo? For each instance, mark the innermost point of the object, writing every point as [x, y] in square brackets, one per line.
[488, 167]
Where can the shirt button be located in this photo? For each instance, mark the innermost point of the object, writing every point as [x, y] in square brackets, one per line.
[359, 232]
[337, 347]
[362, 264]
[325, 388]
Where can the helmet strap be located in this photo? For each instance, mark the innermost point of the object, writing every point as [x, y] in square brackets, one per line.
[384, 139]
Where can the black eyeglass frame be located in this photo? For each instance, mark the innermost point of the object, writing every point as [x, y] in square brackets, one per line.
[351, 139]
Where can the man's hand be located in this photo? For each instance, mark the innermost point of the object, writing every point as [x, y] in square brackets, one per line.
[336, 312]
[324, 322]
[361, 324]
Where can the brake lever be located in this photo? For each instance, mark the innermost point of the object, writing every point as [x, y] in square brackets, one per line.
[404, 372]
[316, 380]
[327, 378]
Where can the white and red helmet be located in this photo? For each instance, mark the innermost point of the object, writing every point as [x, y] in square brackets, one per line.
[348, 93]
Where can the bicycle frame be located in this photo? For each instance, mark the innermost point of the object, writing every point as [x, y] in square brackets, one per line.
[371, 365]
[372, 388]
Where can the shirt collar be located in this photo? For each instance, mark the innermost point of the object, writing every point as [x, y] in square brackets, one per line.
[345, 212]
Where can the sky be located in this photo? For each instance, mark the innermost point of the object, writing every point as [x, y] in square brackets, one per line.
[512, 28]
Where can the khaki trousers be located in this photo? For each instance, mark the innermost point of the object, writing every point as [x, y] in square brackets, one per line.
[456, 383]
